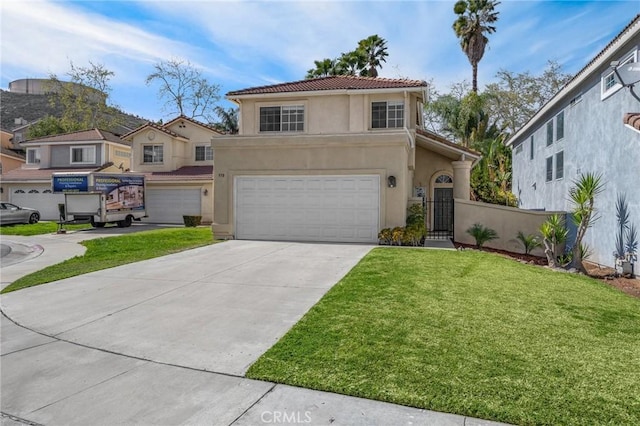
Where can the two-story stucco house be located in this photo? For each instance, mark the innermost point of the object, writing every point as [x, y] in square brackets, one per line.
[86, 150]
[331, 159]
[588, 126]
[177, 159]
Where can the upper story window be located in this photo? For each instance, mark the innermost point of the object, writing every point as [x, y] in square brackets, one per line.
[549, 175]
[549, 132]
[560, 165]
[83, 155]
[286, 118]
[33, 155]
[123, 153]
[387, 115]
[152, 154]
[518, 149]
[204, 153]
[531, 148]
[560, 126]
[609, 83]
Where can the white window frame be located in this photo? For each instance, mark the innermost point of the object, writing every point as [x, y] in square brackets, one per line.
[36, 156]
[154, 154]
[90, 150]
[557, 169]
[549, 169]
[610, 75]
[208, 153]
[560, 114]
[390, 106]
[287, 112]
[549, 132]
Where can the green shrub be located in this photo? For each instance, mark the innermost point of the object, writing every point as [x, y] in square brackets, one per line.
[529, 242]
[384, 236]
[482, 234]
[192, 221]
[397, 234]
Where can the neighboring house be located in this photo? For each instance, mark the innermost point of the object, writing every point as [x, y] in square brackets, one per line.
[588, 126]
[333, 159]
[177, 159]
[85, 150]
[10, 158]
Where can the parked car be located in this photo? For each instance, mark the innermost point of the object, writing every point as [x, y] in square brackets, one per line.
[10, 213]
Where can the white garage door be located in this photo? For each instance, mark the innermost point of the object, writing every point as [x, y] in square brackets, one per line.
[169, 205]
[36, 198]
[308, 208]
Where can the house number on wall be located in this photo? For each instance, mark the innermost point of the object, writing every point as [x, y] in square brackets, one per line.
[221, 175]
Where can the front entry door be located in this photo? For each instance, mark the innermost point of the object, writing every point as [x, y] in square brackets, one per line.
[443, 209]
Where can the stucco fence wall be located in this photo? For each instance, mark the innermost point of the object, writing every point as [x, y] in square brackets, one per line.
[506, 221]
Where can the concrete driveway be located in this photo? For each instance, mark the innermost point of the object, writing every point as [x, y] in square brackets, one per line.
[215, 308]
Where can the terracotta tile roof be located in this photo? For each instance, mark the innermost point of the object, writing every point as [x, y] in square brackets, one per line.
[79, 136]
[338, 82]
[632, 119]
[445, 141]
[20, 175]
[191, 120]
[183, 173]
[151, 125]
[11, 153]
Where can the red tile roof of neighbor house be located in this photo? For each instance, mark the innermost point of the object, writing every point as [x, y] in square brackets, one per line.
[337, 82]
[183, 173]
[79, 136]
[165, 127]
[632, 119]
[11, 153]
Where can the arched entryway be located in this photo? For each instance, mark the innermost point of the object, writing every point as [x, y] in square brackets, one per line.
[441, 218]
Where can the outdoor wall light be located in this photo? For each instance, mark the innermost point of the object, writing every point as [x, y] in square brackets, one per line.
[205, 192]
[391, 181]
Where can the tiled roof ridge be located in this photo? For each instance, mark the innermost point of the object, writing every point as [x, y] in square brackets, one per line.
[273, 88]
[94, 129]
[155, 126]
[192, 120]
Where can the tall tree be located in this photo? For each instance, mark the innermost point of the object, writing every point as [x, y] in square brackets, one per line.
[375, 52]
[84, 100]
[228, 120]
[474, 21]
[185, 90]
[364, 60]
[515, 97]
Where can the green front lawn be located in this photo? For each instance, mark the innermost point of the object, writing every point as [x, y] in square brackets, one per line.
[38, 228]
[469, 333]
[103, 253]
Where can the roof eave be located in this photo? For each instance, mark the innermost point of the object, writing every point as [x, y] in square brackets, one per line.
[234, 97]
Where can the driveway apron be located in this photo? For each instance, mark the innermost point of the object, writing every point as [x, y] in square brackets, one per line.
[216, 308]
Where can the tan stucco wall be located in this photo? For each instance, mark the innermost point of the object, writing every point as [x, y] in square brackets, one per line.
[119, 159]
[333, 114]
[506, 221]
[10, 163]
[429, 165]
[381, 154]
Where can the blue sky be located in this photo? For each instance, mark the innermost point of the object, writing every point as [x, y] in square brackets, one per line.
[240, 44]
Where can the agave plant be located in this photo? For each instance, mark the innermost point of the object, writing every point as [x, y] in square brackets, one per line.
[553, 232]
[583, 195]
[482, 234]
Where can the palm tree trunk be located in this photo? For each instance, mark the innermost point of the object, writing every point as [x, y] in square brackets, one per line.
[474, 82]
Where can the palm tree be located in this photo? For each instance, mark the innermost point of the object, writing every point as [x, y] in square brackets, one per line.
[325, 68]
[474, 19]
[352, 62]
[228, 120]
[374, 50]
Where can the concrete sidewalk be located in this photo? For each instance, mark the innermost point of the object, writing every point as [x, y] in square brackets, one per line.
[167, 341]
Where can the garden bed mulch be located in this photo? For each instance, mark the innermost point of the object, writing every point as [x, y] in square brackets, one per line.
[630, 286]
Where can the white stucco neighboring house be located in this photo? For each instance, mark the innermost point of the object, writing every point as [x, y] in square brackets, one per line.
[333, 159]
[590, 125]
[177, 159]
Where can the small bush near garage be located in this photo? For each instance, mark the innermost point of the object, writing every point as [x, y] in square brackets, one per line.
[192, 221]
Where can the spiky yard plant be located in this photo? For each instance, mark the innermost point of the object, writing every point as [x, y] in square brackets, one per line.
[583, 195]
[554, 233]
[482, 234]
[529, 242]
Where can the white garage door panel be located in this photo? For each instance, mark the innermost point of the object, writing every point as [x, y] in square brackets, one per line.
[45, 203]
[308, 208]
[169, 205]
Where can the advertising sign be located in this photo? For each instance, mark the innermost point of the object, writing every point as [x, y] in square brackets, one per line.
[122, 192]
[71, 183]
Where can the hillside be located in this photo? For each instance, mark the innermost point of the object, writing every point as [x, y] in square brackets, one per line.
[33, 107]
